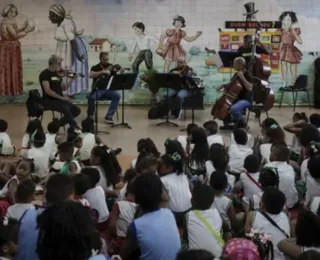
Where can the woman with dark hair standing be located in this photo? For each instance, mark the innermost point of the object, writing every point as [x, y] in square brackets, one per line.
[10, 51]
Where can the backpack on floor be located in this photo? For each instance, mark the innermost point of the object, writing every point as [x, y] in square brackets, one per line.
[159, 110]
[34, 104]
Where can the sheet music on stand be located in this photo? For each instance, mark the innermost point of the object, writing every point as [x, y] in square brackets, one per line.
[217, 60]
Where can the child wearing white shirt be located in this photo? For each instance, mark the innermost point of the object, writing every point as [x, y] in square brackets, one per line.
[175, 182]
[249, 180]
[268, 177]
[312, 179]
[238, 151]
[183, 139]
[6, 147]
[279, 157]
[142, 42]
[33, 127]
[211, 128]
[242, 124]
[89, 141]
[24, 197]
[218, 161]
[39, 155]
[196, 232]
[52, 138]
[219, 182]
[273, 201]
[96, 196]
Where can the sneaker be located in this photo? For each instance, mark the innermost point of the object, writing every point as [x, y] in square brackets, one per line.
[177, 116]
[116, 151]
[109, 120]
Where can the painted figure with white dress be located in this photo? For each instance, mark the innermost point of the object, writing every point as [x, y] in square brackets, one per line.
[71, 46]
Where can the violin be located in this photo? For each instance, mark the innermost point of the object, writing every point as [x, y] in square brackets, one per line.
[69, 74]
[116, 68]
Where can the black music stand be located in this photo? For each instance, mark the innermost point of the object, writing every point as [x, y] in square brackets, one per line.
[227, 58]
[166, 80]
[103, 81]
[192, 86]
[123, 82]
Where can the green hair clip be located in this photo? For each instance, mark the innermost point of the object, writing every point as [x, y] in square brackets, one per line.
[273, 169]
[176, 157]
[167, 141]
[33, 135]
[274, 126]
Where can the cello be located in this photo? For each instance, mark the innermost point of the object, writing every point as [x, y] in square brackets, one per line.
[222, 106]
[260, 72]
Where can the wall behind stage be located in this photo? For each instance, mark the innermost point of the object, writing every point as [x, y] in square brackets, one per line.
[95, 25]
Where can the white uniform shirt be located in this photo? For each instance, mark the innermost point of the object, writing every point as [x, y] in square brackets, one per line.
[88, 143]
[237, 154]
[41, 159]
[249, 187]
[250, 142]
[215, 139]
[5, 141]
[286, 182]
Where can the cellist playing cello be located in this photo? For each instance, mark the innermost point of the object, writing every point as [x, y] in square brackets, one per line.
[244, 99]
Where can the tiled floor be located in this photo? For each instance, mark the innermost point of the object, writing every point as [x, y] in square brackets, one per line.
[136, 116]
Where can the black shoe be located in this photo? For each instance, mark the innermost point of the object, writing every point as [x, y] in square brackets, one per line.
[226, 127]
[109, 120]
[117, 150]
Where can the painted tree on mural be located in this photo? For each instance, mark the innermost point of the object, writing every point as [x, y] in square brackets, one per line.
[10, 51]
[290, 55]
[71, 46]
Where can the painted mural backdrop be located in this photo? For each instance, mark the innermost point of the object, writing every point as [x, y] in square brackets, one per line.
[144, 34]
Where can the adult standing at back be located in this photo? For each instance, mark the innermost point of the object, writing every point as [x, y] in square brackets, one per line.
[53, 98]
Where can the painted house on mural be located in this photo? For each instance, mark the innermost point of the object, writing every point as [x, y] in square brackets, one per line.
[100, 44]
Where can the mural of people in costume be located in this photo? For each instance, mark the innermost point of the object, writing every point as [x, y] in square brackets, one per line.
[71, 46]
[11, 82]
[142, 42]
[290, 55]
[250, 12]
[172, 50]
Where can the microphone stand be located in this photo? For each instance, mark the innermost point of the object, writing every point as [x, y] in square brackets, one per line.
[95, 89]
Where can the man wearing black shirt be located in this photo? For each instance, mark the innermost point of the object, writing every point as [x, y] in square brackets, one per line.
[52, 88]
[246, 49]
[245, 97]
[101, 74]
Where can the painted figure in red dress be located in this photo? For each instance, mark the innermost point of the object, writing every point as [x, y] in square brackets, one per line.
[290, 55]
[10, 51]
[172, 50]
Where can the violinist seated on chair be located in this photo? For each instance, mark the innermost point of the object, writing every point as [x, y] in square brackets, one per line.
[185, 71]
[101, 74]
[244, 99]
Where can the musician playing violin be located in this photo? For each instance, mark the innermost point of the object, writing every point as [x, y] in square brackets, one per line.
[101, 74]
[244, 100]
[52, 87]
[185, 71]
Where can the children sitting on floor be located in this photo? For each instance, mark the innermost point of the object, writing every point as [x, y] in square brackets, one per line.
[6, 147]
[24, 196]
[238, 151]
[270, 219]
[243, 125]
[33, 127]
[89, 141]
[96, 197]
[81, 185]
[53, 138]
[104, 160]
[70, 162]
[203, 224]
[154, 222]
[145, 147]
[211, 128]
[279, 157]
[249, 180]
[312, 179]
[183, 139]
[268, 177]
[315, 120]
[39, 153]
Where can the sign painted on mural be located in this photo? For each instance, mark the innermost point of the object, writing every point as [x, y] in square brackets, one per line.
[253, 24]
